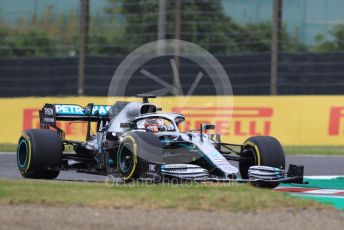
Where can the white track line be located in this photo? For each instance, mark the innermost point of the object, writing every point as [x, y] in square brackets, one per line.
[325, 191]
[311, 195]
[314, 155]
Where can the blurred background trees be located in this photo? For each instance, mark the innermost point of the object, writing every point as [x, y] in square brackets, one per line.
[267, 46]
[123, 25]
[337, 42]
[126, 24]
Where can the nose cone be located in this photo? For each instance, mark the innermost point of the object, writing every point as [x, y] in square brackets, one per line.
[229, 169]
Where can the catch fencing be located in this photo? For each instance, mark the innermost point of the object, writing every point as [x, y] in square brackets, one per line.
[299, 74]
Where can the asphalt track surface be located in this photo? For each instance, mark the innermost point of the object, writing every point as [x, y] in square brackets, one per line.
[314, 165]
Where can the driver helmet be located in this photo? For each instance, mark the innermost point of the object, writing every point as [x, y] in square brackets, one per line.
[154, 124]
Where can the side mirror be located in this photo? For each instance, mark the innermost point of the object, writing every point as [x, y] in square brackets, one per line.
[205, 127]
[128, 125]
[208, 127]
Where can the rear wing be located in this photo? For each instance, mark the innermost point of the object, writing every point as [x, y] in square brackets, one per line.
[50, 113]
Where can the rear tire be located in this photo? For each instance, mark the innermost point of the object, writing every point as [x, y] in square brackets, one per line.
[38, 150]
[263, 150]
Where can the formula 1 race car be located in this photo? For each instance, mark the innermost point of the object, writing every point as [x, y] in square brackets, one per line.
[136, 141]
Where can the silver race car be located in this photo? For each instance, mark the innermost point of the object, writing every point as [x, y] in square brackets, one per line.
[136, 141]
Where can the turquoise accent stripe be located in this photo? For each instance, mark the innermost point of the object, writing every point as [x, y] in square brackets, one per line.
[120, 158]
[18, 150]
[335, 183]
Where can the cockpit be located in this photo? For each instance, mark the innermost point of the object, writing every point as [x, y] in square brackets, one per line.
[156, 124]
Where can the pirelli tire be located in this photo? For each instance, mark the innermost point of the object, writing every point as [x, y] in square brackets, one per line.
[265, 151]
[135, 150]
[39, 151]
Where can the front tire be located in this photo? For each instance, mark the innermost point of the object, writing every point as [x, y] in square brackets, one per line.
[127, 160]
[135, 150]
[37, 151]
[265, 151]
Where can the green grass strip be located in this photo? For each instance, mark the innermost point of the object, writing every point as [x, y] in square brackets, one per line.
[230, 197]
[337, 202]
[314, 150]
[8, 147]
